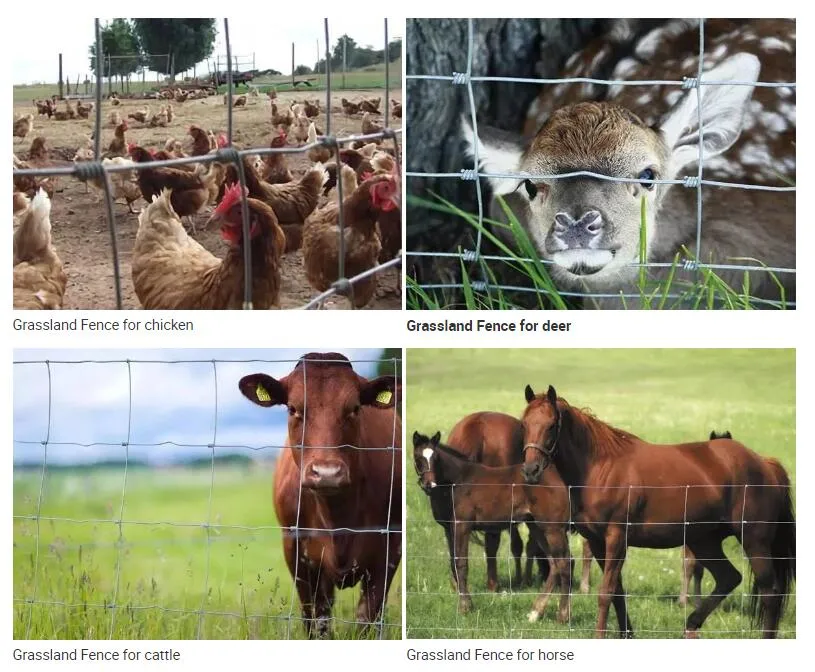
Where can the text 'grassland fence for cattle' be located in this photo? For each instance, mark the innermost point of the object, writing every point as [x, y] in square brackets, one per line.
[689, 181]
[95, 169]
[541, 629]
[292, 618]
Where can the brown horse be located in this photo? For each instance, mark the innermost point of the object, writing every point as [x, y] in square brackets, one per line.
[627, 492]
[492, 496]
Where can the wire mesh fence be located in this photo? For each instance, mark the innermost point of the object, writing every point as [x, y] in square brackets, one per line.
[95, 170]
[130, 538]
[652, 576]
[480, 269]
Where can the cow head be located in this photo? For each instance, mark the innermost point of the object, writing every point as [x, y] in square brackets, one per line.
[324, 397]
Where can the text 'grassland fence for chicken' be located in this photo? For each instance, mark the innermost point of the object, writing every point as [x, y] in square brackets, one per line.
[96, 170]
[420, 560]
[689, 181]
[209, 527]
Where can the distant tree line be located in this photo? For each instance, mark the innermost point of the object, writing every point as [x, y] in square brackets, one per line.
[356, 56]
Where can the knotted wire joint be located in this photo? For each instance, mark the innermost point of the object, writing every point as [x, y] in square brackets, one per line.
[469, 255]
[228, 155]
[469, 174]
[388, 133]
[343, 287]
[89, 170]
[691, 181]
[690, 265]
[461, 78]
[690, 82]
[478, 285]
[329, 141]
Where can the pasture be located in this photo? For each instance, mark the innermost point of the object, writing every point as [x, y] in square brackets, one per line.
[664, 396]
[80, 229]
[169, 575]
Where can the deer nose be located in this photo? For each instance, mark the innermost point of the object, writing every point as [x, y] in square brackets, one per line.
[577, 233]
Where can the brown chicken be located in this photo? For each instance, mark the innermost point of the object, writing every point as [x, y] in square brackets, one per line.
[118, 146]
[396, 109]
[170, 113]
[84, 111]
[39, 279]
[114, 100]
[160, 118]
[369, 127]
[114, 119]
[319, 154]
[240, 101]
[349, 108]
[361, 209]
[200, 141]
[299, 128]
[370, 105]
[31, 184]
[141, 115]
[275, 170]
[311, 109]
[23, 126]
[190, 191]
[172, 271]
[285, 119]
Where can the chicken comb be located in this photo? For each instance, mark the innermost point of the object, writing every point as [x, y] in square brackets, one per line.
[232, 196]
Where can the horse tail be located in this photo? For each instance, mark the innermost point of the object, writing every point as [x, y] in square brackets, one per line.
[782, 546]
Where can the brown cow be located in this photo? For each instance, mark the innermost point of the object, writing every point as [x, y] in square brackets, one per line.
[337, 473]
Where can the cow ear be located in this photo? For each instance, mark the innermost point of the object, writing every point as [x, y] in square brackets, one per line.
[263, 390]
[382, 392]
[551, 395]
[435, 438]
[530, 394]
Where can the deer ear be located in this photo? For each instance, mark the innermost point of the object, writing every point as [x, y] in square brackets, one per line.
[497, 153]
[722, 112]
[529, 393]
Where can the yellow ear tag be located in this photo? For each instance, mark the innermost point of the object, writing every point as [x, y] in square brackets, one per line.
[384, 397]
[261, 393]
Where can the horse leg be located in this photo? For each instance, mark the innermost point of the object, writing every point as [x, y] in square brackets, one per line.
[542, 547]
[768, 599]
[448, 534]
[461, 543]
[709, 553]
[492, 540]
[585, 580]
[516, 544]
[688, 569]
[611, 586]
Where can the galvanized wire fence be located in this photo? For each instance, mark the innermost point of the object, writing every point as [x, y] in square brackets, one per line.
[116, 601]
[691, 262]
[95, 169]
[419, 584]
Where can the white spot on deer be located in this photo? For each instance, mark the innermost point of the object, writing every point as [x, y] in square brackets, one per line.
[722, 166]
[534, 108]
[756, 107]
[573, 59]
[688, 63]
[788, 110]
[672, 97]
[719, 52]
[587, 90]
[559, 90]
[753, 154]
[784, 91]
[599, 56]
[749, 37]
[770, 43]
[625, 67]
[773, 122]
[644, 99]
[649, 44]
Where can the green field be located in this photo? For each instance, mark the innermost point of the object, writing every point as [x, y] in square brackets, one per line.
[664, 396]
[166, 580]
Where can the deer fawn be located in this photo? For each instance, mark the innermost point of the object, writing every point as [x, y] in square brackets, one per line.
[588, 228]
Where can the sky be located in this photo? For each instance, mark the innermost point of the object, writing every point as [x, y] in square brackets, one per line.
[170, 402]
[270, 41]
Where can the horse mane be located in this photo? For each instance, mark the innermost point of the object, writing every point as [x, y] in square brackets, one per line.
[599, 437]
[452, 452]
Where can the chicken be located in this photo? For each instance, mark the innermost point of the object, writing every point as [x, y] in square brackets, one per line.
[39, 278]
[275, 170]
[348, 177]
[114, 119]
[201, 143]
[173, 271]
[84, 111]
[286, 119]
[19, 204]
[181, 96]
[23, 126]
[361, 209]
[292, 202]
[123, 183]
[114, 100]
[190, 191]
[300, 128]
[370, 105]
[396, 109]
[71, 110]
[118, 146]
[42, 108]
[369, 127]
[140, 115]
[349, 108]
[310, 109]
[272, 93]
[160, 118]
[171, 112]
[319, 154]
[240, 101]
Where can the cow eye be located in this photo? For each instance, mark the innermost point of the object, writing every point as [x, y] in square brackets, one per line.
[647, 174]
[293, 412]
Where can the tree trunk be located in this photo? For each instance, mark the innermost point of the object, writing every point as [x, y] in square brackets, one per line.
[530, 48]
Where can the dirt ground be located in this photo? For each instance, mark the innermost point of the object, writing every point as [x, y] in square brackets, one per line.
[79, 224]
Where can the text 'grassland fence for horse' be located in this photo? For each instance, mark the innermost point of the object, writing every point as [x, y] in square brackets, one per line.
[95, 169]
[689, 181]
[415, 561]
[292, 618]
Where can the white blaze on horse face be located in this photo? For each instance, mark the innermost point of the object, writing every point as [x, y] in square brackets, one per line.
[427, 453]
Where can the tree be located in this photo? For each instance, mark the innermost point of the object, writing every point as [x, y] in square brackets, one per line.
[187, 41]
[350, 46]
[121, 44]
[302, 70]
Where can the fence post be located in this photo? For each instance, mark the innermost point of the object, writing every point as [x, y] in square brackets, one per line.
[292, 65]
[60, 75]
[344, 58]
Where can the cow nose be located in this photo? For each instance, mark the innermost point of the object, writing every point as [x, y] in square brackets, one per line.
[326, 475]
[578, 233]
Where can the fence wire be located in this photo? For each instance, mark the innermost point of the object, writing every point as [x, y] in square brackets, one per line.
[123, 546]
[95, 169]
[423, 558]
[696, 182]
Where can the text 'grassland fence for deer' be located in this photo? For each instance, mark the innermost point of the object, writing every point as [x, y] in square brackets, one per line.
[96, 170]
[291, 619]
[416, 559]
[689, 181]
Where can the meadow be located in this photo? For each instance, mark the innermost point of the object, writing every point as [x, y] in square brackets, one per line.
[664, 396]
[198, 555]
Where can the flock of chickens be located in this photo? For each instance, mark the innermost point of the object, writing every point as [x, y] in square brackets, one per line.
[286, 211]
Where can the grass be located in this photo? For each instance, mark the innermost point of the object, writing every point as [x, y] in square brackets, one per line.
[664, 396]
[167, 574]
[521, 256]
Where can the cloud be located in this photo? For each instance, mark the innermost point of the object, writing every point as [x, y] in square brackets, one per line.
[165, 397]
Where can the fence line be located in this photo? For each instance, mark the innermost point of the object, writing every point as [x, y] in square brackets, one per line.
[207, 525]
[96, 170]
[689, 181]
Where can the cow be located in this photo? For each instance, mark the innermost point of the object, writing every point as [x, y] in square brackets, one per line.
[337, 483]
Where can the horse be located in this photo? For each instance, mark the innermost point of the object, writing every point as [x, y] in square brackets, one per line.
[626, 492]
[496, 496]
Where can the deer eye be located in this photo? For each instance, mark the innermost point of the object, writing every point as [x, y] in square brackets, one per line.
[647, 174]
[531, 189]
